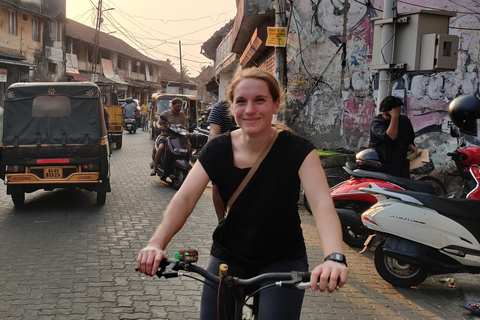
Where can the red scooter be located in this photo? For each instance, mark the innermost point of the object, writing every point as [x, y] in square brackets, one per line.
[350, 202]
[175, 160]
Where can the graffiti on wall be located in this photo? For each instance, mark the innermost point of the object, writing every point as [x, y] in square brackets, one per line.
[346, 120]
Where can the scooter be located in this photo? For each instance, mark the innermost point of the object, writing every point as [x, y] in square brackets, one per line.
[422, 234]
[174, 163]
[418, 234]
[350, 202]
[130, 124]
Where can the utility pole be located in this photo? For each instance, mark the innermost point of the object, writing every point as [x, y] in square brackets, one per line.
[388, 40]
[97, 37]
[281, 52]
[181, 67]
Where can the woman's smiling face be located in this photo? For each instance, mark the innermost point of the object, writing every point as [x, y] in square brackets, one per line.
[253, 105]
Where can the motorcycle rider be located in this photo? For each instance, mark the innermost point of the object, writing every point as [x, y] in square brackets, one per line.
[174, 116]
[129, 109]
[392, 136]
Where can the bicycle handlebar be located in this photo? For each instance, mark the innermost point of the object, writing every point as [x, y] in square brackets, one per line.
[297, 279]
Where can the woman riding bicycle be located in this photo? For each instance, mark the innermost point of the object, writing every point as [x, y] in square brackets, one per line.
[262, 231]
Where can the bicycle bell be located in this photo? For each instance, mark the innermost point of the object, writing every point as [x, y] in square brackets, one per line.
[188, 255]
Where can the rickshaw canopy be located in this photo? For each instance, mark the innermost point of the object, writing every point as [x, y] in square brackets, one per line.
[40, 113]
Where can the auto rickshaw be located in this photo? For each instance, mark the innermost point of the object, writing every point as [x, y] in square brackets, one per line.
[115, 113]
[163, 102]
[54, 136]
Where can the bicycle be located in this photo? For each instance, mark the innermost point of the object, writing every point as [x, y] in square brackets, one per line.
[185, 264]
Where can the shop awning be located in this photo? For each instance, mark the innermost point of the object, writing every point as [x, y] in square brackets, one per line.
[143, 84]
[17, 63]
[78, 77]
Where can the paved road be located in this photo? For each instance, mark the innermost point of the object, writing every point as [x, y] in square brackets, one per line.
[63, 257]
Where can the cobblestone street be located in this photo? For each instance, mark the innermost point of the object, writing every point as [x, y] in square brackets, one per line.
[64, 257]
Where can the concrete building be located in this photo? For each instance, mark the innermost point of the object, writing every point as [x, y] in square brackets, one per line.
[135, 74]
[331, 89]
[172, 80]
[32, 38]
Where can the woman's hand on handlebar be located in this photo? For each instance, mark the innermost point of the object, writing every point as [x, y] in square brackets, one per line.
[148, 260]
[328, 276]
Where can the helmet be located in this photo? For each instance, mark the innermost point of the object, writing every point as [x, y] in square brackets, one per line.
[368, 159]
[464, 111]
[129, 100]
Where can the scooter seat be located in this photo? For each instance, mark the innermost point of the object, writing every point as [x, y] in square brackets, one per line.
[409, 184]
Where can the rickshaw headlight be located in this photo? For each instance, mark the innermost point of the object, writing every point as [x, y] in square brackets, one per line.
[15, 168]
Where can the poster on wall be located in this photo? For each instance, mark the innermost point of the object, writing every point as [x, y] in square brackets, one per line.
[3, 75]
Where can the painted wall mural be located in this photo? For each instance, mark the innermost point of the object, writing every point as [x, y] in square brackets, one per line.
[331, 89]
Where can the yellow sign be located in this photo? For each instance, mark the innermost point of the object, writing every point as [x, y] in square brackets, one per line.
[277, 37]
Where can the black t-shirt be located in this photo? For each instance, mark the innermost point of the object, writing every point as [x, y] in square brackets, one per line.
[263, 224]
[393, 153]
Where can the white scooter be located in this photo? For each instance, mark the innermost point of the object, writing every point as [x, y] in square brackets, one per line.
[421, 234]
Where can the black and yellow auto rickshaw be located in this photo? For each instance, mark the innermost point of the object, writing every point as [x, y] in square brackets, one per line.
[54, 136]
[163, 102]
[115, 113]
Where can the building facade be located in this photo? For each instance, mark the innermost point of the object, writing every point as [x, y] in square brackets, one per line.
[32, 38]
[134, 74]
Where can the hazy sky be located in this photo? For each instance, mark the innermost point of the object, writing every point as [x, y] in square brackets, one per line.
[155, 28]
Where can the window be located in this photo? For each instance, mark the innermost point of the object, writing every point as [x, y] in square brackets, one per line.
[35, 33]
[53, 30]
[52, 67]
[25, 17]
[51, 107]
[12, 22]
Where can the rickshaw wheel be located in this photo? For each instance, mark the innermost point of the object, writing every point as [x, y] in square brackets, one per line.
[18, 199]
[101, 197]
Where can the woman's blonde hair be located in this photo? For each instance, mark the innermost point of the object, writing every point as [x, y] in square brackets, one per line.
[274, 88]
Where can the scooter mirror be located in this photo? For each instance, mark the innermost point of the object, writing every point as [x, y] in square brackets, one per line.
[163, 117]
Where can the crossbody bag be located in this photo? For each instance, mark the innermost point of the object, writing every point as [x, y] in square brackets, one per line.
[250, 173]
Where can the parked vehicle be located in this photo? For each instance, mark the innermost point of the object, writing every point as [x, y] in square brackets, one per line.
[130, 124]
[423, 234]
[175, 160]
[115, 113]
[350, 202]
[54, 136]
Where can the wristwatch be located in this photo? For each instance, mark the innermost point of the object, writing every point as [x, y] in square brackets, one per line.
[337, 257]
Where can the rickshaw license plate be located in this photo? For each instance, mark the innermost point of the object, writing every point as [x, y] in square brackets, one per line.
[53, 173]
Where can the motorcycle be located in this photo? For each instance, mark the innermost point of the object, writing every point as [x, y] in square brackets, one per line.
[130, 124]
[175, 160]
[421, 234]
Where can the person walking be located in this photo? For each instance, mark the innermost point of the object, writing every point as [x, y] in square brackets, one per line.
[392, 136]
[262, 231]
